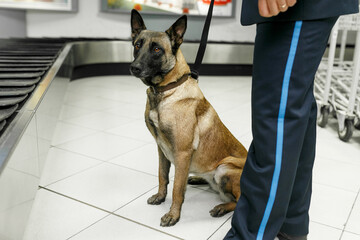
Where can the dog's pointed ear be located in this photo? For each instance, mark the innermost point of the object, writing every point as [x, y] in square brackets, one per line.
[176, 32]
[137, 24]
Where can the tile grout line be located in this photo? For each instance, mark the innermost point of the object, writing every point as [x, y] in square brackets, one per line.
[132, 169]
[133, 201]
[335, 187]
[76, 153]
[84, 229]
[219, 227]
[23, 172]
[76, 173]
[70, 120]
[100, 162]
[88, 156]
[347, 220]
[111, 213]
[326, 225]
[330, 158]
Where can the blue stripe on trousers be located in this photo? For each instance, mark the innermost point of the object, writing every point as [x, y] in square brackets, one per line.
[280, 129]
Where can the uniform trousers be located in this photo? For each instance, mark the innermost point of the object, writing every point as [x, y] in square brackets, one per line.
[276, 183]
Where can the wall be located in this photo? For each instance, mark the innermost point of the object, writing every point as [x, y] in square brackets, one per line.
[89, 21]
[12, 23]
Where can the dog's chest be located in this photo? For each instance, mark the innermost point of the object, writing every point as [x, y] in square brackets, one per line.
[161, 131]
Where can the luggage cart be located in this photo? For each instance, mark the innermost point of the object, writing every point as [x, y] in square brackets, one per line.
[323, 79]
[337, 81]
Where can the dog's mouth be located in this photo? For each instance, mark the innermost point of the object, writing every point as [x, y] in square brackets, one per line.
[149, 79]
[145, 78]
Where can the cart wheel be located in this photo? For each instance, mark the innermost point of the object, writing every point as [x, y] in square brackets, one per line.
[357, 124]
[333, 113]
[348, 130]
[324, 116]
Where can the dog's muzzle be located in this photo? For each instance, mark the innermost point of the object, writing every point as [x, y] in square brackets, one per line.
[136, 69]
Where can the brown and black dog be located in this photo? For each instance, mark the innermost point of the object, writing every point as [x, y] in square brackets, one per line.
[188, 131]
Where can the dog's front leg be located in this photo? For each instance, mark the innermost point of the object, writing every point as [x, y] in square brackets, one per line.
[182, 164]
[164, 168]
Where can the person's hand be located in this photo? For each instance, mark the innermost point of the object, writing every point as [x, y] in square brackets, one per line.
[270, 8]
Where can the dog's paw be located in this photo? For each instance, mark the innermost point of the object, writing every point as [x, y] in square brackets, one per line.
[218, 211]
[169, 219]
[156, 199]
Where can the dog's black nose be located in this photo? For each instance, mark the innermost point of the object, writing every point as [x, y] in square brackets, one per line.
[135, 69]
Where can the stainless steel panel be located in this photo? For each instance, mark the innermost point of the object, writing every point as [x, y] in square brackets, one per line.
[220, 53]
[102, 52]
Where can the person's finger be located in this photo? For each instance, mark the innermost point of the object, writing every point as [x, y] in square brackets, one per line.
[263, 8]
[273, 7]
[290, 3]
[283, 7]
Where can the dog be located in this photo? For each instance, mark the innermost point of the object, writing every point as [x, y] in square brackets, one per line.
[187, 129]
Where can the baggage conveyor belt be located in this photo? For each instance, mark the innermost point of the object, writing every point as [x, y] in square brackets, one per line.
[23, 63]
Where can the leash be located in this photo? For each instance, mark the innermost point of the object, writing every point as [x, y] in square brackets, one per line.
[203, 42]
[199, 56]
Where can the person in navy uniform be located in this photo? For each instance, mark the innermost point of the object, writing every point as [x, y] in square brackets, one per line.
[291, 37]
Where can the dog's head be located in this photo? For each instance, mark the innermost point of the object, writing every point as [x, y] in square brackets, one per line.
[154, 52]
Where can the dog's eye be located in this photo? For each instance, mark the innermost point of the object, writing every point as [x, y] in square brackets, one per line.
[137, 46]
[156, 49]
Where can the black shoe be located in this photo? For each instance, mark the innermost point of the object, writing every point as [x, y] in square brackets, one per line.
[284, 236]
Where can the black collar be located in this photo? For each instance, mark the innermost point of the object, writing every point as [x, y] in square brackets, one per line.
[160, 89]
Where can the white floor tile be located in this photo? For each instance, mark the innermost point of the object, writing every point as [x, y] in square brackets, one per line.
[134, 96]
[326, 208]
[61, 164]
[235, 97]
[75, 95]
[144, 159]
[68, 112]
[94, 103]
[353, 224]
[222, 105]
[350, 236]
[102, 146]
[114, 228]
[222, 231]
[65, 132]
[238, 120]
[211, 86]
[337, 174]
[106, 186]
[331, 147]
[99, 121]
[57, 218]
[13, 181]
[136, 130]
[13, 221]
[195, 222]
[128, 110]
[319, 231]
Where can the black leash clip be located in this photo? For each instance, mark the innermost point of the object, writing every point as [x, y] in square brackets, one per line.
[202, 47]
[195, 74]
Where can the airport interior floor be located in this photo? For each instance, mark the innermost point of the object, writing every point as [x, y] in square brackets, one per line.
[103, 167]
